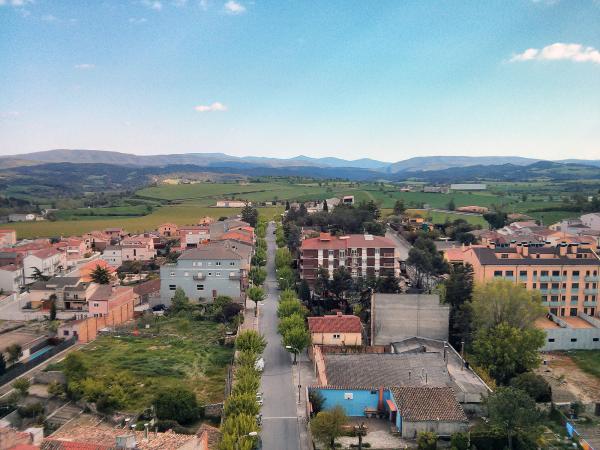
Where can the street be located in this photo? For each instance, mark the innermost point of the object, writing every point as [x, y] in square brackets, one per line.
[402, 244]
[280, 423]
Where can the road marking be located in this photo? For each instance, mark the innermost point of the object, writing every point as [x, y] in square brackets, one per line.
[281, 417]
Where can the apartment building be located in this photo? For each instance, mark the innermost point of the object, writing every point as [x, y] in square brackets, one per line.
[191, 236]
[49, 261]
[11, 278]
[205, 273]
[70, 292]
[567, 275]
[365, 255]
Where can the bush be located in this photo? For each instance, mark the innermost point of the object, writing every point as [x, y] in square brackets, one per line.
[33, 410]
[250, 340]
[535, 385]
[56, 389]
[426, 440]
[178, 404]
[21, 385]
[459, 441]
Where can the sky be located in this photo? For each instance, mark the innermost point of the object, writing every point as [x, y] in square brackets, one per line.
[383, 79]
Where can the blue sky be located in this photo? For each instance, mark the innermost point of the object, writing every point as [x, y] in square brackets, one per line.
[369, 78]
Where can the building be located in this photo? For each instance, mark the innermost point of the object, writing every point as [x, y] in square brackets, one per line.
[49, 262]
[347, 200]
[364, 255]
[70, 293]
[591, 220]
[191, 236]
[395, 317]
[113, 255]
[138, 248]
[85, 271]
[570, 333]
[205, 273]
[566, 275]
[106, 298]
[409, 409]
[115, 232]
[27, 217]
[468, 187]
[74, 249]
[436, 189]
[11, 278]
[232, 204]
[7, 237]
[217, 229]
[96, 240]
[473, 209]
[149, 292]
[168, 230]
[339, 329]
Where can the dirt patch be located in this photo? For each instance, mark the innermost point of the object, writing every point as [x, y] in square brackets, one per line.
[569, 383]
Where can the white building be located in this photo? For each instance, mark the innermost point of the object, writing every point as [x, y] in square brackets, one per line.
[468, 187]
[113, 255]
[591, 220]
[21, 217]
[49, 261]
[11, 278]
[231, 204]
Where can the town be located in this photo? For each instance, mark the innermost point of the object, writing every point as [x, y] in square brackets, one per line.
[392, 331]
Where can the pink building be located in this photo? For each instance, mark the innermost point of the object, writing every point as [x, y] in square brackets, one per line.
[191, 236]
[107, 298]
[74, 248]
[8, 237]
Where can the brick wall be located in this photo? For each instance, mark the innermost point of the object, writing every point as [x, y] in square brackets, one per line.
[88, 328]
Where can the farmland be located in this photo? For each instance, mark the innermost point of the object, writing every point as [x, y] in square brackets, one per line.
[186, 203]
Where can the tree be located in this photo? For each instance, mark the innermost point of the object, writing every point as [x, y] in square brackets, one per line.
[260, 257]
[317, 400]
[341, 282]
[100, 275]
[283, 258]
[325, 207]
[176, 403]
[513, 411]
[399, 207]
[287, 205]
[14, 353]
[289, 307]
[250, 340]
[180, 302]
[388, 284]
[235, 432]
[38, 275]
[459, 291]
[459, 441]
[502, 301]
[304, 291]
[22, 386]
[241, 404]
[53, 299]
[289, 322]
[451, 205]
[322, 282]
[250, 215]
[426, 262]
[74, 367]
[496, 219]
[257, 275]
[505, 351]
[535, 385]
[328, 425]
[426, 440]
[256, 294]
[298, 338]
[286, 278]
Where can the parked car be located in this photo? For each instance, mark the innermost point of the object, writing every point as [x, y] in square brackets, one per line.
[259, 364]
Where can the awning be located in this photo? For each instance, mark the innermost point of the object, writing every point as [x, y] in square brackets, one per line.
[391, 405]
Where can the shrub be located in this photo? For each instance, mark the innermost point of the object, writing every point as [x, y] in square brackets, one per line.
[426, 440]
[241, 404]
[178, 404]
[32, 410]
[21, 385]
[535, 385]
[250, 340]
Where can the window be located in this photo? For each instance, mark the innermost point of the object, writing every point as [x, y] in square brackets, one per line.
[574, 298]
[595, 339]
[200, 287]
[96, 305]
[509, 273]
[551, 340]
[172, 287]
[573, 312]
[217, 274]
[336, 336]
[65, 332]
[210, 274]
[554, 298]
[218, 263]
[504, 256]
[497, 273]
[172, 274]
[376, 252]
[544, 273]
[342, 253]
[575, 286]
[573, 339]
[543, 285]
[556, 273]
[232, 263]
[576, 273]
[330, 253]
[555, 285]
[523, 273]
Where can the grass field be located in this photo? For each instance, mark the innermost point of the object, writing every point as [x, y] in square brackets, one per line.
[587, 360]
[184, 352]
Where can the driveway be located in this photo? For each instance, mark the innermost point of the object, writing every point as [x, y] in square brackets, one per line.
[280, 423]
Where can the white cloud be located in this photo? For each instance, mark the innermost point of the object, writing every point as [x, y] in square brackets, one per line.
[216, 106]
[233, 7]
[560, 51]
[156, 5]
[15, 3]
[137, 20]
[49, 18]
[85, 66]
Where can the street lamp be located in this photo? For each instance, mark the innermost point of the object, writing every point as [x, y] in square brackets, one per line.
[251, 434]
[295, 350]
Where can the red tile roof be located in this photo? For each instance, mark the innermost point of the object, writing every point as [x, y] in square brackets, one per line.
[335, 324]
[420, 403]
[326, 241]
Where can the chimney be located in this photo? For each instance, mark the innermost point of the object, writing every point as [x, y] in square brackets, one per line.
[574, 247]
[525, 251]
[562, 249]
[513, 243]
[519, 249]
[492, 245]
[339, 314]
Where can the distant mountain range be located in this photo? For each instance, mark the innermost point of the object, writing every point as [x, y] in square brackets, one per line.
[365, 167]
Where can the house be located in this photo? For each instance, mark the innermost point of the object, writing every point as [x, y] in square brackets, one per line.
[70, 292]
[242, 234]
[8, 237]
[206, 220]
[96, 240]
[149, 292]
[204, 273]
[48, 261]
[347, 200]
[468, 187]
[473, 209]
[85, 271]
[11, 278]
[398, 316]
[8, 258]
[570, 333]
[244, 249]
[138, 248]
[191, 236]
[591, 220]
[168, 229]
[409, 409]
[436, 189]
[27, 217]
[364, 255]
[566, 275]
[113, 255]
[74, 248]
[217, 229]
[339, 329]
[106, 298]
[232, 203]
[115, 232]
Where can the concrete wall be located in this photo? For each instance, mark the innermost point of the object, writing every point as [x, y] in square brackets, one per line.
[411, 429]
[349, 339]
[572, 339]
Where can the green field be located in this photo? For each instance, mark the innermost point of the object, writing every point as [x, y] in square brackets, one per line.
[587, 360]
[182, 352]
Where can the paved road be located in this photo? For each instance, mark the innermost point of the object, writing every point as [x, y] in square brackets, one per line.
[280, 423]
[402, 244]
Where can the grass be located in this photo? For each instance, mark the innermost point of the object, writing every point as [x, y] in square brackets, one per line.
[184, 352]
[587, 360]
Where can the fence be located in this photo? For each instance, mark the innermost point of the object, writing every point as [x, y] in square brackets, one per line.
[19, 369]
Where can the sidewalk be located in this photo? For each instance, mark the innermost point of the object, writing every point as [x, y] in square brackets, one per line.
[250, 321]
[304, 368]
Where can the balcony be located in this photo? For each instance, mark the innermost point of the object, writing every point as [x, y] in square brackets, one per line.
[590, 304]
[592, 278]
[199, 276]
[590, 291]
[509, 278]
[553, 304]
[387, 255]
[555, 278]
[234, 275]
[546, 278]
[557, 291]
